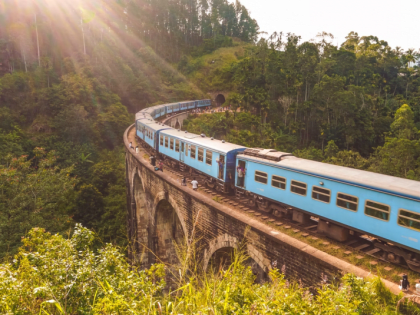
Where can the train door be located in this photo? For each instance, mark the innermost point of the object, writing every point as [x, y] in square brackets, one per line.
[184, 150]
[240, 174]
[221, 163]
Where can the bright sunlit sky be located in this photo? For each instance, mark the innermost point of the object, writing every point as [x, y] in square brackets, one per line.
[396, 21]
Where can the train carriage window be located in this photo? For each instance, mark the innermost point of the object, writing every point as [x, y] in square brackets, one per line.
[209, 157]
[377, 210]
[186, 149]
[171, 143]
[278, 182]
[200, 154]
[261, 177]
[176, 145]
[321, 194]
[409, 219]
[347, 202]
[166, 141]
[193, 150]
[161, 140]
[298, 188]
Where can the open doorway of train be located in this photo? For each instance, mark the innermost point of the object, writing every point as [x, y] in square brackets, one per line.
[240, 172]
[221, 163]
[220, 100]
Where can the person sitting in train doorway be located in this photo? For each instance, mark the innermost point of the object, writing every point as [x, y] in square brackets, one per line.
[221, 162]
[194, 184]
[241, 173]
[404, 283]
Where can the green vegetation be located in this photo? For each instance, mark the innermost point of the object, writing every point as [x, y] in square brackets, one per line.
[298, 96]
[56, 275]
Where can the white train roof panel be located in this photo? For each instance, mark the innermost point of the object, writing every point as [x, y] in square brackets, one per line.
[194, 139]
[388, 183]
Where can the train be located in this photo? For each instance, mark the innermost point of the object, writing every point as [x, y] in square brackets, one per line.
[346, 202]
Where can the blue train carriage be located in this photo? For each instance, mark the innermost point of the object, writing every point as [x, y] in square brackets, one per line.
[172, 108]
[147, 132]
[202, 103]
[190, 104]
[183, 106]
[160, 111]
[210, 160]
[347, 201]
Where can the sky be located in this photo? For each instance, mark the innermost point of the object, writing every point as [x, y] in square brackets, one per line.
[397, 22]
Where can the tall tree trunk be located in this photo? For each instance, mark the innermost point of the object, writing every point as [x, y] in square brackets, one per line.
[37, 42]
[83, 35]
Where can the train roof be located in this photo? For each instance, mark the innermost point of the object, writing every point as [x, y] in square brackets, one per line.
[154, 125]
[390, 184]
[206, 142]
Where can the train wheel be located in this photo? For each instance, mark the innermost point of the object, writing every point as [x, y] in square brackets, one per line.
[415, 266]
[262, 207]
[252, 202]
[210, 185]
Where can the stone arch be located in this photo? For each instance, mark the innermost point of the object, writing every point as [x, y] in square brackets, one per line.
[263, 265]
[222, 241]
[177, 124]
[168, 231]
[220, 99]
[257, 261]
[165, 196]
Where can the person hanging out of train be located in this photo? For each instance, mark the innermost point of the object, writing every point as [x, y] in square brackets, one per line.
[241, 175]
[221, 163]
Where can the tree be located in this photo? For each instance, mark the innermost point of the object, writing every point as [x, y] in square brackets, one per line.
[33, 193]
[403, 126]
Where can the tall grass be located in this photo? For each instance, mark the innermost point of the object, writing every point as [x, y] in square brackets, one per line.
[54, 275]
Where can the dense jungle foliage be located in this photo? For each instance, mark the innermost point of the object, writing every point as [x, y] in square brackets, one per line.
[315, 99]
[52, 274]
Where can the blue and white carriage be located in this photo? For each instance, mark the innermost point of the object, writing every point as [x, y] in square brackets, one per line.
[345, 201]
[358, 201]
[213, 160]
[148, 131]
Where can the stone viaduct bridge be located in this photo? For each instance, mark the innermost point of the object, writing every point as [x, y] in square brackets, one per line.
[162, 214]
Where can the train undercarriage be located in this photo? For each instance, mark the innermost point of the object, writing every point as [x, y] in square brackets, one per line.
[388, 251]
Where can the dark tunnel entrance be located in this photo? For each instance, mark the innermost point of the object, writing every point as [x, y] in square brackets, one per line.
[220, 100]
